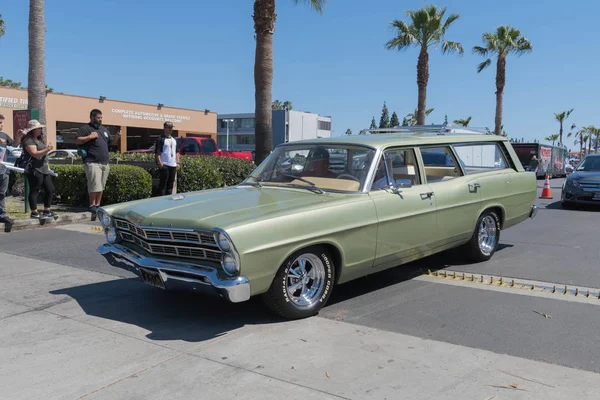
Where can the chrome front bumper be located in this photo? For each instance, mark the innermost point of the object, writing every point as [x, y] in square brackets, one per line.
[178, 274]
[534, 211]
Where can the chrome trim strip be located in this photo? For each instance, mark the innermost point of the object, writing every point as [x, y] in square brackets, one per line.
[534, 211]
[235, 289]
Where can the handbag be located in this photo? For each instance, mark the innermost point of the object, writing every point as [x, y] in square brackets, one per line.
[24, 161]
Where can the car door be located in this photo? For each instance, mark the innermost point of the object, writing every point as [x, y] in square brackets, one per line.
[405, 209]
[458, 197]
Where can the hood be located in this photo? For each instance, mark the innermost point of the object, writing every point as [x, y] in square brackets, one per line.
[224, 208]
[586, 175]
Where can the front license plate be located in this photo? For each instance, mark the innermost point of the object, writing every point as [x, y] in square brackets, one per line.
[152, 278]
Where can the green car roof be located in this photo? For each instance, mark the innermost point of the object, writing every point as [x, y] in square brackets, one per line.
[386, 140]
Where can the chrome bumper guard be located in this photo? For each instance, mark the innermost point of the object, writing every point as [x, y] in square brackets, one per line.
[534, 211]
[178, 274]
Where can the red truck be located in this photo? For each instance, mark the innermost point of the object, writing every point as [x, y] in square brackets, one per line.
[194, 146]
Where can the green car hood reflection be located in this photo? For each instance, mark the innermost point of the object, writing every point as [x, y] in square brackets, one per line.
[223, 208]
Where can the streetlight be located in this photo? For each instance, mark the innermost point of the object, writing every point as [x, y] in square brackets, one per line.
[228, 121]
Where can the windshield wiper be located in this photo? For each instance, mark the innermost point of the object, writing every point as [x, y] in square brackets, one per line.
[312, 185]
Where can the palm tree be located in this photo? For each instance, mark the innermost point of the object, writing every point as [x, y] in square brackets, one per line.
[348, 131]
[276, 105]
[552, 138]
[2, 26]
[287, 105]
[264, 26]
[463, 122]
[36, 86]
[411, 118]
[561, 117]
[506, 40]
[427, 28]
[581, 138]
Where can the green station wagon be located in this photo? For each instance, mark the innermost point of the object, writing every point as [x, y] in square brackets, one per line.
[321, 212]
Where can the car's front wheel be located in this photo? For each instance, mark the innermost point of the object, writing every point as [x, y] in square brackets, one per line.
[302, 285]
[484, 242]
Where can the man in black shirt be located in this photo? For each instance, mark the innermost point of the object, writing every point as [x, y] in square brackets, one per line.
[94, 140]
[5, 140]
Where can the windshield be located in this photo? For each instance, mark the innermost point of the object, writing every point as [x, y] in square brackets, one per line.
[590, 164]
[321, 167]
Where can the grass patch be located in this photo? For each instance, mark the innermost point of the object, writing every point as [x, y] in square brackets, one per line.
[16, 208]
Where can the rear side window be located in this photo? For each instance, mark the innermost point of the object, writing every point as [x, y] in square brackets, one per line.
[191, 146]
[440, 164]
[208, 146]
[480, 157]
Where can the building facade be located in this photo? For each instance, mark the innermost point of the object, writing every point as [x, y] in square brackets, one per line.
[139, 124]
[288, 126]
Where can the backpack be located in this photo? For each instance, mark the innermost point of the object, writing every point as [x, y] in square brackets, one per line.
[24, 161]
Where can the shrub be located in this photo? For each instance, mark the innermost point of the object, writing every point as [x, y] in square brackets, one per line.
[233, 170]
[125, 183]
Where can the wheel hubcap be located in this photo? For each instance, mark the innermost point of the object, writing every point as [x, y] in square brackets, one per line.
[487, 235]
[305, 280]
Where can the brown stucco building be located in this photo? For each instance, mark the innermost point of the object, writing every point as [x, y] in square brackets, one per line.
[139, 124]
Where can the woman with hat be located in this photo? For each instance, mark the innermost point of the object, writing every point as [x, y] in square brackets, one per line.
[38, 175]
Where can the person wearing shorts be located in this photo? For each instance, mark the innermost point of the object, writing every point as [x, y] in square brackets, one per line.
[94, 139]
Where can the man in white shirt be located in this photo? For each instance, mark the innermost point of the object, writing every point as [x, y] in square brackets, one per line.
[167, 159]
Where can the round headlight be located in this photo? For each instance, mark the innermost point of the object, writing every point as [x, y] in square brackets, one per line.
[224, 243]
[105, 219]
[111, 235]
[229, 264]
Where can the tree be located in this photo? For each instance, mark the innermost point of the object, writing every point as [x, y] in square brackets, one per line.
[552, 138]
[384, 121]
[561, 117]
[276, 105]
[506, 40]
[36, 91]
[463, 122]
[373, 124]
[581, 137]
[427, 28]
[411, 118]
[2, 26]
[264, 26]
[287, 105]
[9, 83]
[394, 122]
[348, 131]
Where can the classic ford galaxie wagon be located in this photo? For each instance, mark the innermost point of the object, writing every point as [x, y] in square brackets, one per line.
[320, 212]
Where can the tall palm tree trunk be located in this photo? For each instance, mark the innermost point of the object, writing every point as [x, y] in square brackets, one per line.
[36, 85]
[500, 83]
[422, 80]
[264, 26]
[580, 146]
[560, 134]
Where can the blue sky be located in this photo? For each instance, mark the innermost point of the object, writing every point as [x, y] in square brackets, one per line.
[200, 54]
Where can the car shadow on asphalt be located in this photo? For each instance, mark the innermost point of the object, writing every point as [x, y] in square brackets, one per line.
[191, 317]
[168, 315]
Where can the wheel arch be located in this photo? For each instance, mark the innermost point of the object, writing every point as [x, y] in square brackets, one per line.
[499, 210]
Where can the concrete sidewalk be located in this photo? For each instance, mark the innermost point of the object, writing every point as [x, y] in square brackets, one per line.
[68, 333]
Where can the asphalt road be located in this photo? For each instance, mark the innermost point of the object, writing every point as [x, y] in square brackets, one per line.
[558, 246]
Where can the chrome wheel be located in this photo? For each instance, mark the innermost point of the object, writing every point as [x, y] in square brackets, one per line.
[488, 232]
[305, 280]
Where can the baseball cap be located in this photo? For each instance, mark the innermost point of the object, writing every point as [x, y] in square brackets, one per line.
[1, 116]
[168, 124]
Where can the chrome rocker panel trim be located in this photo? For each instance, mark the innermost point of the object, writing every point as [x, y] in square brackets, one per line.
[178, 274]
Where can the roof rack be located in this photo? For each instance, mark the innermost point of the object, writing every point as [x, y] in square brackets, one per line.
[429, 130]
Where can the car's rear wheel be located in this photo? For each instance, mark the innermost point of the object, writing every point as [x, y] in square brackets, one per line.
[485, 239]
[302, 285]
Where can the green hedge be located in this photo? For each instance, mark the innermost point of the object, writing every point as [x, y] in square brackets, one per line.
[125, 183]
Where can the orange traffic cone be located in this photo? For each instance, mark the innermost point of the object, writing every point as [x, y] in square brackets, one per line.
[546, 190]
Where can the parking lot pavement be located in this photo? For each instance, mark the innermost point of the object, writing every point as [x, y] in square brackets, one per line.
[70, 333]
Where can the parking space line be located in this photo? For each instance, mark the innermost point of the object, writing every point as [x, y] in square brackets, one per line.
[519, 286]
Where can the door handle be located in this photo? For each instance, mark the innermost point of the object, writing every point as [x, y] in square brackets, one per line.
[426, 195]
[474, 186]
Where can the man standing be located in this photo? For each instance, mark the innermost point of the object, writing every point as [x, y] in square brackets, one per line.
[167, 159]
[5, 140]
[94, 139]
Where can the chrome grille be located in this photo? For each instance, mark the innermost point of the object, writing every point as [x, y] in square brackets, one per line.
[590, 186]
[167, 242]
